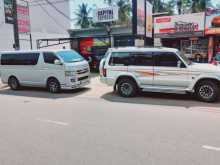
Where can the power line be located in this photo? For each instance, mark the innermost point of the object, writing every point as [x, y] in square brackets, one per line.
[59, 11]
[47, 2]
[42, 2]
[55, 20]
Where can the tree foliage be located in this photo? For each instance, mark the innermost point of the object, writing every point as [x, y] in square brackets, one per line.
[82, 16]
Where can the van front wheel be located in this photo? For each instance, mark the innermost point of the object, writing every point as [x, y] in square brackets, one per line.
[53, 85]
[13, 83]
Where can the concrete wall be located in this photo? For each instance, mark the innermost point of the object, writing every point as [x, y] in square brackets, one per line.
[46, 22]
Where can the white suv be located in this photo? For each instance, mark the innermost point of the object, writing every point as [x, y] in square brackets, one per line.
[130, 70]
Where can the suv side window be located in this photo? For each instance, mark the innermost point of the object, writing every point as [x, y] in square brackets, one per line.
[142, 59]
[49, 57]
[166, 59]
[120, 59]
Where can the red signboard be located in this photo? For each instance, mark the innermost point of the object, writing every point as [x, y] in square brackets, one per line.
[23, 19]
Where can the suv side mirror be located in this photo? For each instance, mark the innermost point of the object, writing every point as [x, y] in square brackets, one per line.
[180, 64]
[58, 62]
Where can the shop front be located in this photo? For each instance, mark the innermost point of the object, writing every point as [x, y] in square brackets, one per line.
[183, 32]
[212, 31]
[94, 42]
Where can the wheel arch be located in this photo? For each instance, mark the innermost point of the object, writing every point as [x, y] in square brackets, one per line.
[217, 81]
[11, 77]
[125, 77]
[51, 78]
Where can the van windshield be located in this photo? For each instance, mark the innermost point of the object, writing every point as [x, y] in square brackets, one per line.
[70, 56]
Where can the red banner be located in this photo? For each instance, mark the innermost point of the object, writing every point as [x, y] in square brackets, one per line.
[23, 19]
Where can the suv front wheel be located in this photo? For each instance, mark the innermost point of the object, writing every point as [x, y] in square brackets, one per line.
[127, 87]
[207, 91]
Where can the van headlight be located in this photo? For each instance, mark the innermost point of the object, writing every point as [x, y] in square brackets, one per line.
[70, 73]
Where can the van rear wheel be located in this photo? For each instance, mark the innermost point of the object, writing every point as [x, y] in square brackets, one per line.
[127, 88]
[13, 83]
[53, 85]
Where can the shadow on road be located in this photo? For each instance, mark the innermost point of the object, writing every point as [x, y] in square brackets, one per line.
[162, 99]
[43, 93]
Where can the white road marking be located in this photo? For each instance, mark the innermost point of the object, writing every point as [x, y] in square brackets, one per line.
[53, 122]
[211, 148]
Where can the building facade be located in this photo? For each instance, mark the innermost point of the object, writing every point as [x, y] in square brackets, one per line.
[48, 19]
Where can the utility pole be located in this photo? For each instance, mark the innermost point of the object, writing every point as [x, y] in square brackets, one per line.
[15, 25]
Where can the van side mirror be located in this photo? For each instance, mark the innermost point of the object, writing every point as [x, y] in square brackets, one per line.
[58, 62]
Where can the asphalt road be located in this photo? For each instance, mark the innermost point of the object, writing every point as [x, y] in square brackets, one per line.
[93, 126]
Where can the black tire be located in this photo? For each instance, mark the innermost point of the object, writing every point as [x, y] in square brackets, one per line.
[53, 85]
[13, 83]
[207, 91]
[127, 87]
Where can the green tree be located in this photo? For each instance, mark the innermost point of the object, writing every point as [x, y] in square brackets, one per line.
[124, 11]
[160, 6]
[82, 16]
[198, 5]
[109, 2]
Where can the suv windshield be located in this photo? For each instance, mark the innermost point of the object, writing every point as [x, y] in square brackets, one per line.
[189, 62]
[70, 56]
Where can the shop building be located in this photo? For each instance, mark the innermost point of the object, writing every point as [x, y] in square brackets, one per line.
[212, 31]
[93, 40]
[184, 32]
[41, 19]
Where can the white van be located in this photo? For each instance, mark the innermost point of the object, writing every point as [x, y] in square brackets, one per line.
[55, 70]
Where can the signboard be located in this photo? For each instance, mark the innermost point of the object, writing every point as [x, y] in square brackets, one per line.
[8, 11]
[149, 19]
[87, 44]
[187, 25]
[108, 14]
[140, 17]
[23, 19]
[212, 26]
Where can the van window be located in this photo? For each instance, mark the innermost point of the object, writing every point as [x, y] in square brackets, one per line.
[120, 59]
[166, 59]
[142, 59]
[50, 57]
[70, 56]
[20, 59]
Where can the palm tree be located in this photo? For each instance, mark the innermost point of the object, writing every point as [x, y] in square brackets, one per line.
[83, 19]
[160, 6]
[124, 11]
[109, 2]
[198, 5]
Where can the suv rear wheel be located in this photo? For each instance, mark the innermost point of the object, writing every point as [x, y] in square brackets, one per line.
[207, 91]
[13, 83]
[127, 87]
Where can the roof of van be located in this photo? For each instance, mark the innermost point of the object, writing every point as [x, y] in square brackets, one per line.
[133, 49]
[34, 51]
